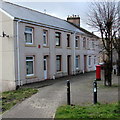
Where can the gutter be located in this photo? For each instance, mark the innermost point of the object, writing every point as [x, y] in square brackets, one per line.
[43, 25]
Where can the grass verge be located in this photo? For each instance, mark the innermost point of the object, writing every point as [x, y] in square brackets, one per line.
[90, 111]
[10, 98]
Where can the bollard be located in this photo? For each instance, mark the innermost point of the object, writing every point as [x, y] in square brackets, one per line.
[68, 92]
[95, 92]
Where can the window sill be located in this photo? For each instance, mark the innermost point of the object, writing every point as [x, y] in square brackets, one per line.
[58, 47]
[59, 72]
[45, 46]
[68, 47]
[30, 45]
[90, 66]
[77, 48]
[30, 77]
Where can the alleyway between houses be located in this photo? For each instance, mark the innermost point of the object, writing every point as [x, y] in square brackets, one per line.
[45, 102]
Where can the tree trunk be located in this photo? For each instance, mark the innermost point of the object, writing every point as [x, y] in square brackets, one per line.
[118, 65]
[108, 73]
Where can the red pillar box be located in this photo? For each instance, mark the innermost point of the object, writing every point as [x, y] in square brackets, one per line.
[98, 72]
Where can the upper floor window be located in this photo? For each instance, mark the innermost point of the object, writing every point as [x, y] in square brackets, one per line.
[84, 42]
[93, 45]
[28, 35]
[57, 38]
[77, 41]
[68, 40]
[45, 37]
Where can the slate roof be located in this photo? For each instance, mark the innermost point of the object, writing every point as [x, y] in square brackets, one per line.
[20, 12]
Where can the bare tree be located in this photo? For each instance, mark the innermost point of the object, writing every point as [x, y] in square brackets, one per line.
[103, 16]
[116, 39]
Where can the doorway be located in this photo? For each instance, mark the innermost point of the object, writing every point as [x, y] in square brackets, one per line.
[69, 64]
[85, 63]
[45, 67]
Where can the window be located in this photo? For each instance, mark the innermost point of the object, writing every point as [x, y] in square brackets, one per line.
[28, 35]
[84, 42]
[89, 60]
[76, 41]
[29, 66]
[45, 39]
[77, 62]
[68, 40]
[57, 38]
[58, 63]
[93, 45]
[94, 59]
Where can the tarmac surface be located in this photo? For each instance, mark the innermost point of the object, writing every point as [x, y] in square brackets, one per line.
[53, 93]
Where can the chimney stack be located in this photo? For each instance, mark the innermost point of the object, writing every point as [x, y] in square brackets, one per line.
[75, 19]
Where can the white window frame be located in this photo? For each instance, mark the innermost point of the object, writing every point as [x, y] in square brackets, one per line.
[89, 60]
[84, 42]
[77, 58]
[68, 40]
[60, 60]
[27, 60]
[58, 36]
[46, 36]
[29, 32]
[77, 39]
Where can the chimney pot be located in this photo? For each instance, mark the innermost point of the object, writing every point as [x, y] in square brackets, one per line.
[75, 19]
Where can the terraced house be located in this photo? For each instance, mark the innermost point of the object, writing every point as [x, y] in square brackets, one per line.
[35, 46]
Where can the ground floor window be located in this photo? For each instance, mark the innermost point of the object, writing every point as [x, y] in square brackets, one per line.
[29, 66]
[94, 59]
[77, 62]
[89, 60]
[58, 63]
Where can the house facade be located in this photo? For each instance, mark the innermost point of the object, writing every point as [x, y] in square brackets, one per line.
[35, 46]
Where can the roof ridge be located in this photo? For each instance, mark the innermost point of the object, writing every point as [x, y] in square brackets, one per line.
[84, 30]
[33, 10]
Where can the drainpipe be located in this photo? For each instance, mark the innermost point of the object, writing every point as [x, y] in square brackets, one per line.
[18, 55]
[74, 55]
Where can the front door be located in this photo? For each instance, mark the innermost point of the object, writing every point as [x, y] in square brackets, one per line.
[68, 64]
[45, 67]
[85, 62]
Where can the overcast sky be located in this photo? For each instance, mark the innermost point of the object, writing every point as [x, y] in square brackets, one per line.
[60, 9]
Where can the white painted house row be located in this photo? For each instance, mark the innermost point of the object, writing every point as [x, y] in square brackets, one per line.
[35, 46]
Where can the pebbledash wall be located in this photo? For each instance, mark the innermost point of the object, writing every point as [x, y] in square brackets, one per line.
[23, 62]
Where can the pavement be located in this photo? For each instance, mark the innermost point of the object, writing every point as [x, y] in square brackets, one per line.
[53, 93]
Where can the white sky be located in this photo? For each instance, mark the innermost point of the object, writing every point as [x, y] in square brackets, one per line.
[60, 8]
